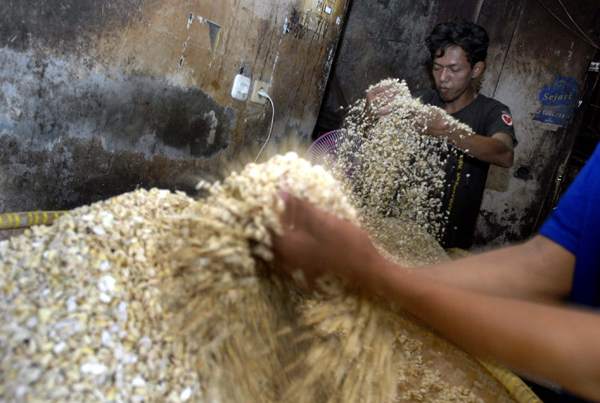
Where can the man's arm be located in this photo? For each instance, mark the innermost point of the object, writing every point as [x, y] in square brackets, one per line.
[554, 343]
[537, 270]
[497, 150]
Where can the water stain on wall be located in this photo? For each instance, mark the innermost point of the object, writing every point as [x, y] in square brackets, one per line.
[126, 111]
[76, 171]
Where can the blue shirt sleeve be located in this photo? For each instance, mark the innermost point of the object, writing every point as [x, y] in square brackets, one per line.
[565, 224]
[575, 225]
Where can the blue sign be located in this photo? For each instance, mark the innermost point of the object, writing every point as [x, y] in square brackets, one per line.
[558, 101]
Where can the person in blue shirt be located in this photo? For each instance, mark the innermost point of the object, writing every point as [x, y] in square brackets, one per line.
[511, 304]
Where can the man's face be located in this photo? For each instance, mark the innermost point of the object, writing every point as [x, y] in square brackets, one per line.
[452, 73]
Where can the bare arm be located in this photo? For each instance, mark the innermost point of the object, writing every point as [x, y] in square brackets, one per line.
[554, 343]
[538, 270]
[497, 150]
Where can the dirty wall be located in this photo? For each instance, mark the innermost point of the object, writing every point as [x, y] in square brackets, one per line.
[100, 97]
[532, 61]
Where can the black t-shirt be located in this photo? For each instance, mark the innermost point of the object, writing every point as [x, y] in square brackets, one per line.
[465, 175]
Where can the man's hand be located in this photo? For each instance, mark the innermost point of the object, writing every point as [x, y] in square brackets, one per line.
[378, 98]
[316, 242]
[432, 123]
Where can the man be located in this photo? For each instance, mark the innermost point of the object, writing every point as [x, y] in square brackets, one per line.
[458, 50]
[505, 303]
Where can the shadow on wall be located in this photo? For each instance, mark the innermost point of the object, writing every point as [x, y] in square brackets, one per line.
[78, 171]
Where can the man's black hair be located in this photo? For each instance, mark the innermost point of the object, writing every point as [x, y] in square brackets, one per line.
[472, 38]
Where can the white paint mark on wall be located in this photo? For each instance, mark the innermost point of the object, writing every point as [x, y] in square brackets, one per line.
[213, 126]
[328, 66]
[122, 46]
[338, 20]
[570, 53]
[273, 71]
[190, 20]
[477, 10]
[286, 28]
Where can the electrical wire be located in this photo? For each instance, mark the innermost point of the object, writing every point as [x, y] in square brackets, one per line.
[573, 21]
[585, 39]
[265, 95]
[566, 26]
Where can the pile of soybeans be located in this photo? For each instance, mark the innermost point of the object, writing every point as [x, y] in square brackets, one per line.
[152, 296]
[397, 171]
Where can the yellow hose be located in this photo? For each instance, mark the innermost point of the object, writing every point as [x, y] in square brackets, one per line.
[28, 219]
[515, 385]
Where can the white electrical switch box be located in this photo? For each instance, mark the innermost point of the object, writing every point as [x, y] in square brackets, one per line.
[241, 87]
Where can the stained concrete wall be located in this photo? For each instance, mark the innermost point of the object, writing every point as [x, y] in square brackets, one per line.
[101, 97]
[528, 49]
[540, 50]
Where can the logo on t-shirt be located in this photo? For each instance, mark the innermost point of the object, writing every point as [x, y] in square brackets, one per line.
[507, 118]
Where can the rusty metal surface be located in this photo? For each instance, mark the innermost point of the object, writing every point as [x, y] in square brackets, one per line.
[101, 97]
